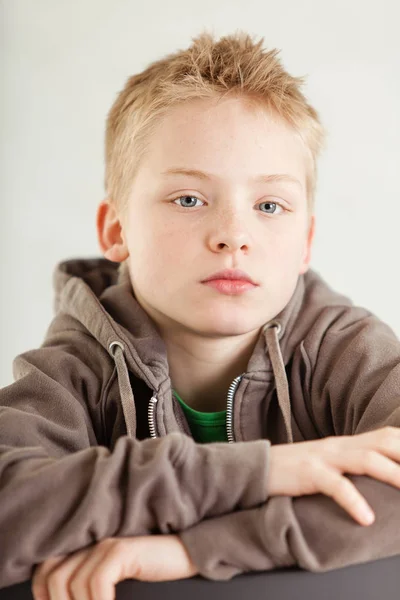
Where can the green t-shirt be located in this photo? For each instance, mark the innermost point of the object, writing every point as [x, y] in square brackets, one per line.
[205, 426]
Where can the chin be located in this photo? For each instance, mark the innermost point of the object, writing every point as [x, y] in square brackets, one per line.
[217, 327]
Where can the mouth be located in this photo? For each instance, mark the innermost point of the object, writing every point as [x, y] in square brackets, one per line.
[230, 287]
[230, 275]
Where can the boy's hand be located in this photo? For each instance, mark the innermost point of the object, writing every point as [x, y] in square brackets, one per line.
[92, 573]
[318, 466]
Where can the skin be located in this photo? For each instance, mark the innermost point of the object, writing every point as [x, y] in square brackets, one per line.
[93, 573]
[171, 245]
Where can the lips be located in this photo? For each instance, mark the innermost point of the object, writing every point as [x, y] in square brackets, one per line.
[230, 274]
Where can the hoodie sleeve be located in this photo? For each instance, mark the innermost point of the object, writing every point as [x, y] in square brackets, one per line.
[354, 388]
[61, 490]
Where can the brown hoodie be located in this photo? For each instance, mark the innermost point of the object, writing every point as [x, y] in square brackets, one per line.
[93, 443]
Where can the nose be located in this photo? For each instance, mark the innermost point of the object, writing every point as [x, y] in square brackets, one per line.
[229, 235]
[233, 244]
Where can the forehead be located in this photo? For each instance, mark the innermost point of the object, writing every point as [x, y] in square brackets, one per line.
[228, 137]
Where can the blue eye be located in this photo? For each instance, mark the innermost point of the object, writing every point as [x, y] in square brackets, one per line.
[274, 205]
[180, 198]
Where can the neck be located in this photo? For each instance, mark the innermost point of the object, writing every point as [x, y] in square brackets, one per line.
[202, 373]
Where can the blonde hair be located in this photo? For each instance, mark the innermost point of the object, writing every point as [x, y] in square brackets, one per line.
[235, 65]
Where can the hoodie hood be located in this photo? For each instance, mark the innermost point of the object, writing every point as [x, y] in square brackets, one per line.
[100, 296]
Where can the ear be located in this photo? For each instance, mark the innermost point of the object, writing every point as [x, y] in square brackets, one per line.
[109, 233]
[307, 248]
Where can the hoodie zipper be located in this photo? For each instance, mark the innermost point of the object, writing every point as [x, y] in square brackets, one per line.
[229, 411]
[229, 408]
[151, 415]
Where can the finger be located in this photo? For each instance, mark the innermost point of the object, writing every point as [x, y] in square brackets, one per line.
[58, 578]
[345, 493]
[378, 466]
[92, 580]
[372, 463]
[39, 579]
[386, 441]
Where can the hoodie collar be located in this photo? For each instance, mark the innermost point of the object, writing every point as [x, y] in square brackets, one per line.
[99, 295]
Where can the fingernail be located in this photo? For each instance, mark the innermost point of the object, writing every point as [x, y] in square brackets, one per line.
[368, 516]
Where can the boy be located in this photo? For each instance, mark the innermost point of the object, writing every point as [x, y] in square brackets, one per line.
[170, 398]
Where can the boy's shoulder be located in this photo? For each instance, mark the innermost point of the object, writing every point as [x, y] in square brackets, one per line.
[319, 314]
[331, 319]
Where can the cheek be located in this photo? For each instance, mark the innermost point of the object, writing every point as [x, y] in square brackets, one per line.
[157, 258]
[287, 244]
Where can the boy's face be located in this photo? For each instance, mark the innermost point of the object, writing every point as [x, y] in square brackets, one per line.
[223, 221]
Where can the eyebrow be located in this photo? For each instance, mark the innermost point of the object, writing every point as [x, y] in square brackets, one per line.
[258, 179]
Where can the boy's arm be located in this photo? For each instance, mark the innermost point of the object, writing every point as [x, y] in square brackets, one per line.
[355, 382]
[60, 491]
[311, 532]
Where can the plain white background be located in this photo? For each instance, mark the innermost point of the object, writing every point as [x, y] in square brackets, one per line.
[62, 64]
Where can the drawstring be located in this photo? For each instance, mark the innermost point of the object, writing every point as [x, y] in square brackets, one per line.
[271, 331]
[125, 389]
